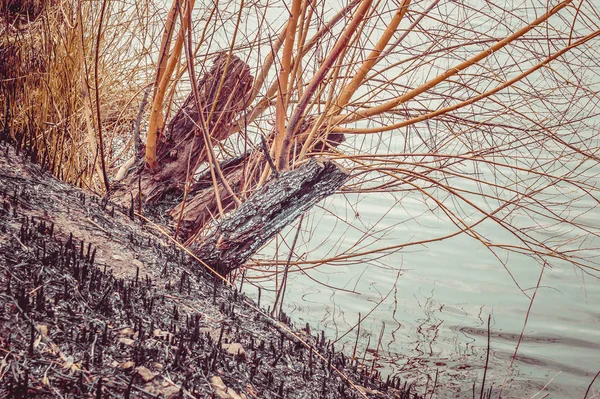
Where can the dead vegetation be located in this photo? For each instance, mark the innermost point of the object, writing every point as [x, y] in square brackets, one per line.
[484, 123]
[332, 82]
[94, 303]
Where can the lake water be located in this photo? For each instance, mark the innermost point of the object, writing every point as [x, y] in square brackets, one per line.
[436, 312]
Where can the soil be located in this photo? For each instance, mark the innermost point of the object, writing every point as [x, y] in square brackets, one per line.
[96, 302]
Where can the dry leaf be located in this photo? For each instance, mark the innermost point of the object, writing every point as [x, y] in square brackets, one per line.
[157, 365]
[42, 329]
[217, 383]
[235, 349]
[42, 333]
[127, 331]
[45, 380]
[146, 374]
[127, 365]
[127, 341]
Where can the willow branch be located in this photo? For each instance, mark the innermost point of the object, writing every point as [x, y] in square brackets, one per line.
[472, 100]
[387, 106]
[100, 138]
[298, 114]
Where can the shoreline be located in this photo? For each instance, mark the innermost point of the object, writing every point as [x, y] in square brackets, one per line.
[95, 304]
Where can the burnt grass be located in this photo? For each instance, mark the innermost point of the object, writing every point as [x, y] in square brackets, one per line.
[95, 303]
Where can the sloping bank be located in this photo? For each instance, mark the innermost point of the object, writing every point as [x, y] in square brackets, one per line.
[95, 302]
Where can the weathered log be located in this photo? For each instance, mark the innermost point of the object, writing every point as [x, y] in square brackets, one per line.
[181, 149]
[223, 91]
[201, 203]
[272, 207]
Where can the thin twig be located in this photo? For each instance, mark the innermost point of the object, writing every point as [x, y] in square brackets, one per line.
[99, 119]
[487, 358]
[136, 132]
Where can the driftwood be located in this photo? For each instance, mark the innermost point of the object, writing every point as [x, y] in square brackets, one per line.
[200, 206]
[277, 204]
[182, 142]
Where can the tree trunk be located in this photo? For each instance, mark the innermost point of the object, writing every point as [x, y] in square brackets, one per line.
[275, 205]
[181, 150]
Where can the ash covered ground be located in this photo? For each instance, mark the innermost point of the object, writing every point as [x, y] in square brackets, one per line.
[95, 302]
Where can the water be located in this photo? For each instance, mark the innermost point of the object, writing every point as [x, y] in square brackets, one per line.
[436, 313]
[431, 302]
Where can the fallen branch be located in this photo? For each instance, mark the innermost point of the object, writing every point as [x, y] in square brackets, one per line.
[277, 204]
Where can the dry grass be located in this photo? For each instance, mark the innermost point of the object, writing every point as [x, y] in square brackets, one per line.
[48, 84]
